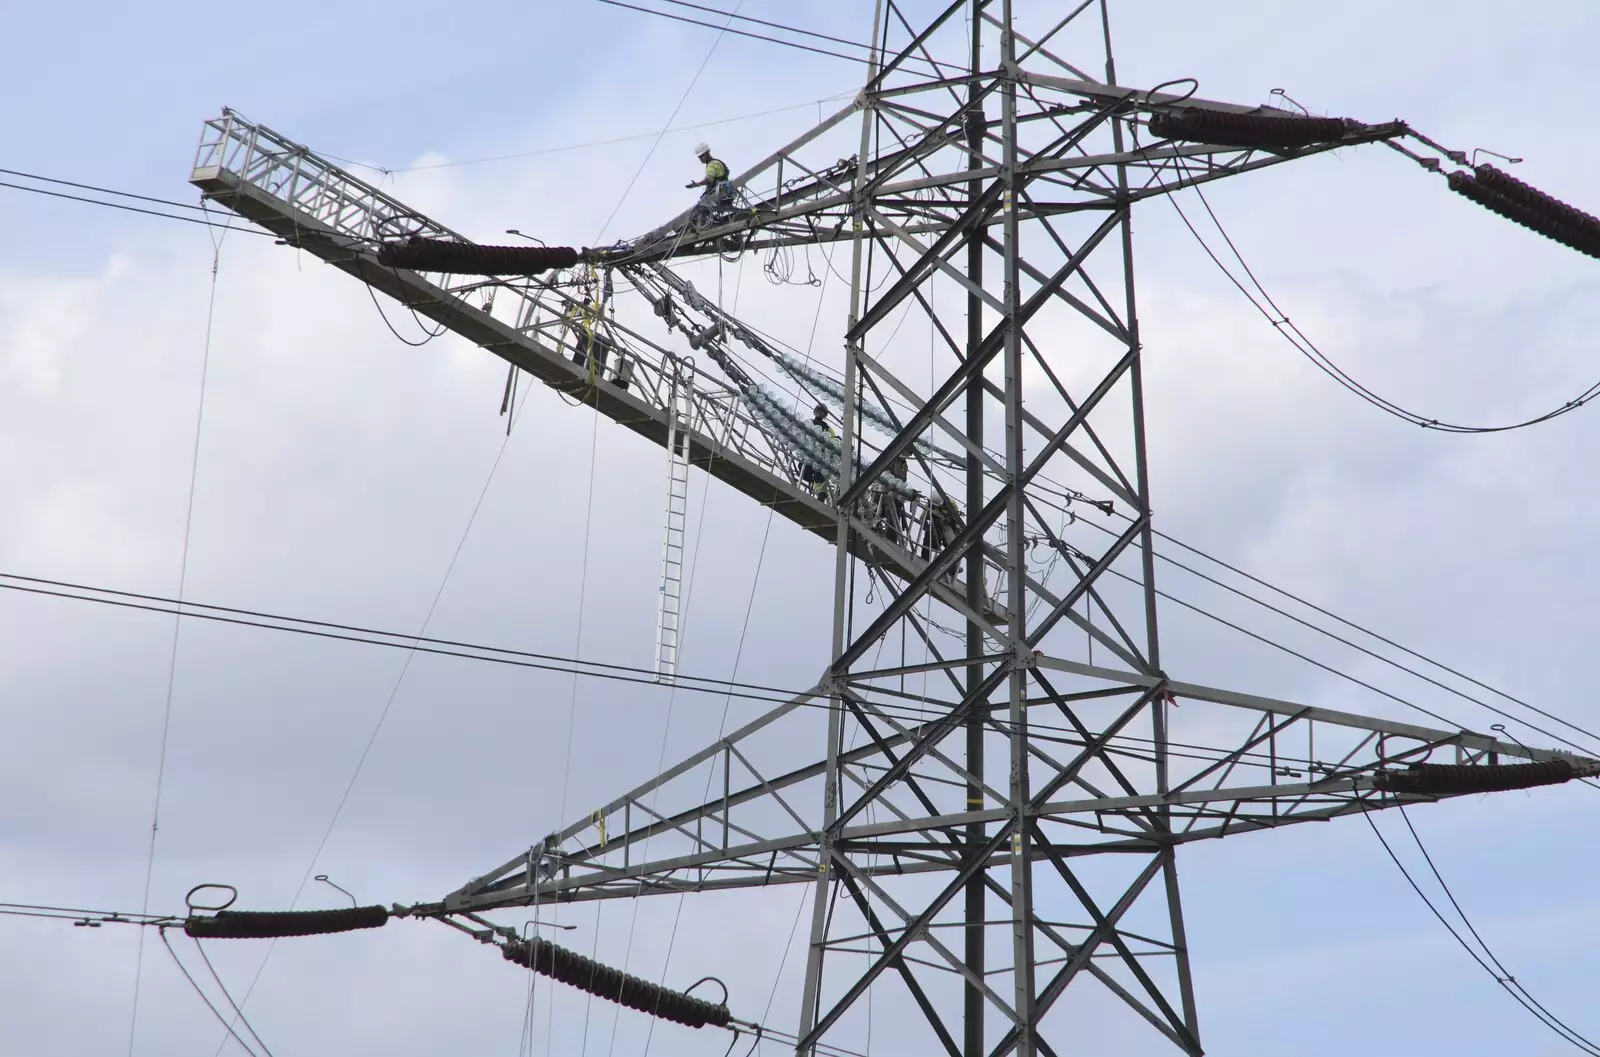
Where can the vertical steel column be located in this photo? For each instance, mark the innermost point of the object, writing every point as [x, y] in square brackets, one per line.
[972, 1044]
[1016, 559]
[811, 995]
[1158, 708]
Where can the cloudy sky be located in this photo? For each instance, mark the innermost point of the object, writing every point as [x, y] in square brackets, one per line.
[343, 475]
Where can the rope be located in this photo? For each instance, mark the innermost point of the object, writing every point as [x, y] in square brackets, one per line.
[670, 117]
[177, 624]
[722, 728]
[661, 758]
[383, 714]
[572, 702]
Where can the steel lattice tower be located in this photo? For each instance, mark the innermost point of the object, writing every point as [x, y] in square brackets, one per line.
[1008, 835]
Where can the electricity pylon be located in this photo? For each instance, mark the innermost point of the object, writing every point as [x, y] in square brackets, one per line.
[993, 825]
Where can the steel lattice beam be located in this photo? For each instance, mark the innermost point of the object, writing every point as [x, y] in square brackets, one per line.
[1026, 798]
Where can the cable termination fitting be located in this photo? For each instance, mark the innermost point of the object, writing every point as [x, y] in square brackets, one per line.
[272, 924]
[604, 981]
[466, 258]
[1450, 779]
[1500, 192]
[1283, 131]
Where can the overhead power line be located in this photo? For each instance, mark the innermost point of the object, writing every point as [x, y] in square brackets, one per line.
[375, 637]
[127, 208]
[518, 658]
[1505, 973]
[1373, 634]
[101, 190]
[740, 32]
[1487, 960]
[1291, 333]
[195, 984]
[864, 58]
[773, 25]
[89, 918]
[1367, 651]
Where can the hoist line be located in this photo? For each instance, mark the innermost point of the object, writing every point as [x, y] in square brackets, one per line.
[383, 714]
[572, 699]
[722, 724]
[177, 626]
[594, 443]
[600, 303]
[688, 598]
[662, 134]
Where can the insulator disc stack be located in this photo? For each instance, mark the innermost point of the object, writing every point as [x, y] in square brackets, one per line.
[604, 981]
[1451, 779]
[272, 924]
[1500, 192]
[1283, 131]
[466, 258]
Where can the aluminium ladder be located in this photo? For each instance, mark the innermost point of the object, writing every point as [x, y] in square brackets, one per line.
[669, 625]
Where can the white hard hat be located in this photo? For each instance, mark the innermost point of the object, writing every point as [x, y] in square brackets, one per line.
[701, 148]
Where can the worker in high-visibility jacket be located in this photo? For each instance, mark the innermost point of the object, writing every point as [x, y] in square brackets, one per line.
[891, 504]
[590, 347]
[718, 195]
[814, 476]
[944, 524]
